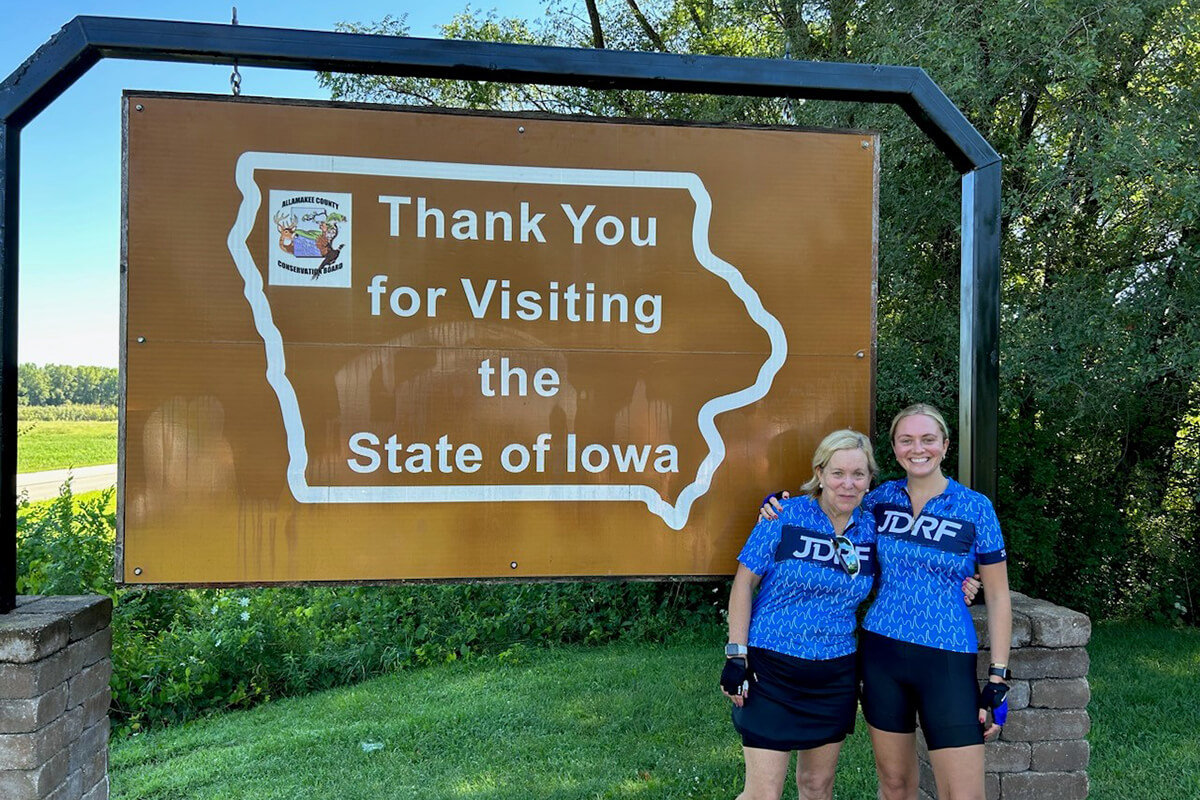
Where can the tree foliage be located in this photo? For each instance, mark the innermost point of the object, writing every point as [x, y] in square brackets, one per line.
[59, 384]
[1094, 108]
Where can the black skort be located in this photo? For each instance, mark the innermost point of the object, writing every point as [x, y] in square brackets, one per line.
[795, 703]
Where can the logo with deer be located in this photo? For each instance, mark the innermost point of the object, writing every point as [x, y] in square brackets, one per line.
[310, 239]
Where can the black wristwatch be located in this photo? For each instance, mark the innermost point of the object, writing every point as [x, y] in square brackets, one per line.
[735, 650]
[1001, 671]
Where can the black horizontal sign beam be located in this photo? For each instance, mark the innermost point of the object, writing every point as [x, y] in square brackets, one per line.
[85, 40]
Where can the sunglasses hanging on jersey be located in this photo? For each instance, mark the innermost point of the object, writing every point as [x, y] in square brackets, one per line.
[847, 555]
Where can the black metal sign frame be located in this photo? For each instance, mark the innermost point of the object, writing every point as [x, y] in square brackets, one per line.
[84, 41]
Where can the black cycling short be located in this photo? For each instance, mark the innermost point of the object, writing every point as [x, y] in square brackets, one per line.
[795, 703]
[903, 681]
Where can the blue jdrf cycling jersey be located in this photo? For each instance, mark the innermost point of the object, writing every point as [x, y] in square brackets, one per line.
[923, 562]
[805, 606]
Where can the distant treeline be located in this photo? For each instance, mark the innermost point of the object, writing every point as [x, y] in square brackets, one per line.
[59, 384]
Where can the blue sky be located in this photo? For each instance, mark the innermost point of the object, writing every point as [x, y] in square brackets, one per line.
[71, 154]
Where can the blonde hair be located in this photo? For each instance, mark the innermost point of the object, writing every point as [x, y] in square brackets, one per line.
[924, 410]
[844, 439]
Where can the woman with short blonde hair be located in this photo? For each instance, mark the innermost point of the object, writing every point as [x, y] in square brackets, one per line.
[790, 668]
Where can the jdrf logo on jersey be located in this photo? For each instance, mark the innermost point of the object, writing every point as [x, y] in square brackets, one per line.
[951, 535]
[805, 545]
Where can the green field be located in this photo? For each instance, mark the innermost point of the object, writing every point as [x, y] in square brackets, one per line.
[620, 721]
[61, 445]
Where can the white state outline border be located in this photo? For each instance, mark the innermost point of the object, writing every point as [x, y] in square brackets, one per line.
[675, 516]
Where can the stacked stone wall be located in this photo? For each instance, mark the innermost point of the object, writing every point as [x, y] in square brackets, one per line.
[1042, 752]
[55, 666]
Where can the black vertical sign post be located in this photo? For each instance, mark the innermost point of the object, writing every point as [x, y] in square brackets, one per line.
[10, 159]
[84, 41]
[979, 329]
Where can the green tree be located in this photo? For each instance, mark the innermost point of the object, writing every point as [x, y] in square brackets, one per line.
[32, 385]
[59, 384]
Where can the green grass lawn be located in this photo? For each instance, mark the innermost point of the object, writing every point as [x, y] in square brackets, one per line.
[620, 721]
[59, 445]
[1145, 712]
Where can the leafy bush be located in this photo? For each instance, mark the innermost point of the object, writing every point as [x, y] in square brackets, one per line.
[65, 546]
[178, 654]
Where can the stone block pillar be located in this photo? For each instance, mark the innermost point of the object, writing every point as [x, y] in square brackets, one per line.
[1042, 752]
[55, 666]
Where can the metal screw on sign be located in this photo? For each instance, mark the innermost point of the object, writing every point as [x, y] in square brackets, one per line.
[235, 77]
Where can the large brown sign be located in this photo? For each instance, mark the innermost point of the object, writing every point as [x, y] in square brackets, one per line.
[371, 344]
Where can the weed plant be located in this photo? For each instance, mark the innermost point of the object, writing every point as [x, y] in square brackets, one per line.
[65, 545]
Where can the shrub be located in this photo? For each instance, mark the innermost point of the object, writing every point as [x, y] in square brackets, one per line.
[65, 546]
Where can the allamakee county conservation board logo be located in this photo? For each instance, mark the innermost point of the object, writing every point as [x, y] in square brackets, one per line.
[310, 243]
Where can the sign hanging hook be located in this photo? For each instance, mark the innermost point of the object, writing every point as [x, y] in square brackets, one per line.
[235, 77]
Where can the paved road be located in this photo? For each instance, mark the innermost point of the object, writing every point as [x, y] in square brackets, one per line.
[45, 485]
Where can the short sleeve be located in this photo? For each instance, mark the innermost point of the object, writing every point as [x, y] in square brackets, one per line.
[757, 554]
[869, 532]
[872, 498]
[989, 542]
